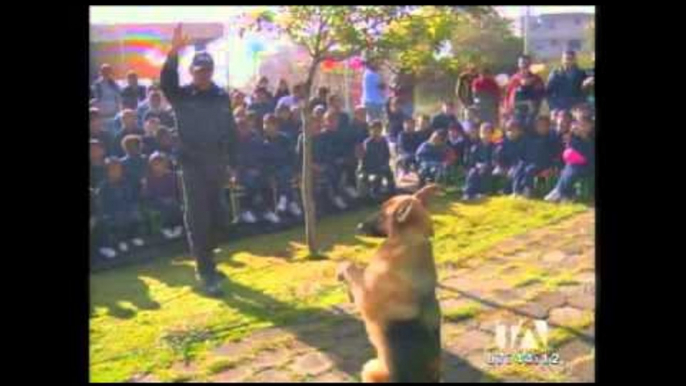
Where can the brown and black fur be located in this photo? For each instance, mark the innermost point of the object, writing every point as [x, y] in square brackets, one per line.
[396, 293]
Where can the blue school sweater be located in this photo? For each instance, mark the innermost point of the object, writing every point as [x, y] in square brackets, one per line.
[540, 150]
[481, 153]
[114, 198]
[278, 151]
[250, 151]
[135, 168]
[429, 152]
[509, 152]
[408, 143]
[376, 154]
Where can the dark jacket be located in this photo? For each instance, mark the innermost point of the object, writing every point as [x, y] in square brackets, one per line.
[134, 170]
[278, 152]
[408, 143]
[395, 124]
[116, 198]
[206, 126]
[250, 151]
[376, 154]
[429, 152]
[118, 150]
[131, 96]
[480, 153]
[443, 121]
[509, 152]
[162, 187]
[540, 150]
[564, 88]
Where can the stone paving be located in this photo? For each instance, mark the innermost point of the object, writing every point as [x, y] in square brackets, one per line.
[546, 274]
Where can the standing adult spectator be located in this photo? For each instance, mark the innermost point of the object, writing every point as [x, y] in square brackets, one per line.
[463, 89]
[207, 135]
[524, 93]
[486, 96]
[373, 91]
[565, 84]
[107, 94]
[133, 93]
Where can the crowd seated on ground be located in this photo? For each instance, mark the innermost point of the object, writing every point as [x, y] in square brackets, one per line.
[136, 195]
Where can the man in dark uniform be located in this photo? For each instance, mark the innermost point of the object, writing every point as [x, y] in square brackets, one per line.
[206, 130]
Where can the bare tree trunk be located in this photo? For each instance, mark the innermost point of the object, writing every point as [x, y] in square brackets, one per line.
[309, 206]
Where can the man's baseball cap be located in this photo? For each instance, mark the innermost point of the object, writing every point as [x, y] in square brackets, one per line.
[202, 60]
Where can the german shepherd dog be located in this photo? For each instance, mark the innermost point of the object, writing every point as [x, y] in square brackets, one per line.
[396, 292]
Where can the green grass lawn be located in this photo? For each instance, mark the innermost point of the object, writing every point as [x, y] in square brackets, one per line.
[147, 317]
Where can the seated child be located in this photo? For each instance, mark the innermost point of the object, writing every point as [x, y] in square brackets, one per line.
[130, 126]
[509, 153]
[446, 118]
[457, 144]
[286, 124]
[431, 157]
[579, 158]
[167, 145]
[152, 124]
[336, 106]
[340, 163]
[425, 129]
[119, 216]
[359, 129]
[250, 173]
[97, 163]
[471, 123]
[280, 164]
[134, 162]
[539, 154]
[408, 143]
[97, 131]
[480, 164]
[161, 194]
[376, 157]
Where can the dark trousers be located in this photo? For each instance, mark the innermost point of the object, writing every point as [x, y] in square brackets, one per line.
[430, 170]
[383, 172]
[119, 226]
[256, 189]
[332, 175]
[478, 180]
[346, 169]
[570, 175]
[524, 176]
[205, 213]
[169, 209]
[284, 181]
[406, 162]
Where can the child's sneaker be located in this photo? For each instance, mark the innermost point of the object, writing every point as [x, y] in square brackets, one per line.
[479, 196]
[178, 231]
[281, 206]
[339, 203]
[248, 217]
[168, 233]
[351, 192]
[527, 193]
[108, 253]
[123, 247]
[295, 209]
[138, 242]
[467, 197]
[272, 217]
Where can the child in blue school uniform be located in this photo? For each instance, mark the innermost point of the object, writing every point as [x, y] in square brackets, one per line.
[509, 153]
[480, 164]
[539, 155]
[376, 156]
[280, 163]
[408, 143]
[579, 158]
[431, 156]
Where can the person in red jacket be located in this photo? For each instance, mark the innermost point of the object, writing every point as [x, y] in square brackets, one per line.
[525, 91]
[486, 96]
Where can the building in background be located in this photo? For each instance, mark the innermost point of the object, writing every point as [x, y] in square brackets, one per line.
[550, 34]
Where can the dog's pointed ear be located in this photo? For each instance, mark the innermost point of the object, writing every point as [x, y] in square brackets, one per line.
[425, 193]
[402, 212]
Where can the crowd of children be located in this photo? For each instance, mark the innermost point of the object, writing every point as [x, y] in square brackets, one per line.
[134, 170]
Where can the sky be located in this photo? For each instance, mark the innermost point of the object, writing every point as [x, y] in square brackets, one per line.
[172, 14]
